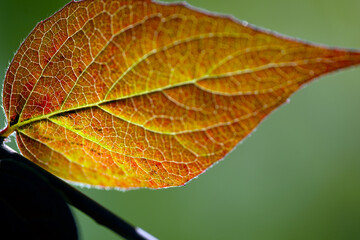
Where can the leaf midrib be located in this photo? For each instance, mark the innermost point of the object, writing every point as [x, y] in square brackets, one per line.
[240, 72]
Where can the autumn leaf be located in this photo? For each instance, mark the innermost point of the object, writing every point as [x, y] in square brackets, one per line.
[136, 93]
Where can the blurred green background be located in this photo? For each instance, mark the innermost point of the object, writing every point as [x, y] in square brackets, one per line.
[296, 177]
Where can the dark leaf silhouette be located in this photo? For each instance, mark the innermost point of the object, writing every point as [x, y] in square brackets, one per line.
[30, 207]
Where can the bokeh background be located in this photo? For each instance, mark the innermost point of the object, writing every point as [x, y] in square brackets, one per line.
[296, 177]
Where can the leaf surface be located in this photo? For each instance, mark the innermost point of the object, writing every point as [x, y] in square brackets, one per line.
[134, 93]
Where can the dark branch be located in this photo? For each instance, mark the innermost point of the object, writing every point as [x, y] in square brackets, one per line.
[85, 204]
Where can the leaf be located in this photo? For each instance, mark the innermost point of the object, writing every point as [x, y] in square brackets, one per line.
[136, 93]
[30, 207]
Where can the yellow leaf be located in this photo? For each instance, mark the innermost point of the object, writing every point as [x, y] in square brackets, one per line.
[135, 93]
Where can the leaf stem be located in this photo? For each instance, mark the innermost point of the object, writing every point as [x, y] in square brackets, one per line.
[77, 199]
[6, 132]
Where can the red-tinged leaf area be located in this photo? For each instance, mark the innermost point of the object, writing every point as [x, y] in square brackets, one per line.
[135, 93]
